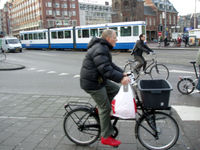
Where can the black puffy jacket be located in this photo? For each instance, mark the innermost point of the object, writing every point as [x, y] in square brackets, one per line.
[97, 66]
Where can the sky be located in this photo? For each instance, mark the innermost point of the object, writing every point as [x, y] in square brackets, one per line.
[184, 7]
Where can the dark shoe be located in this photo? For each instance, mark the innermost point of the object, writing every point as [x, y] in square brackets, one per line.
[110, 141]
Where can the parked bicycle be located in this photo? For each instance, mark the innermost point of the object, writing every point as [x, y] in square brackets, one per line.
[2, 56]
[155, 130]
[186, 84]
[154, 69]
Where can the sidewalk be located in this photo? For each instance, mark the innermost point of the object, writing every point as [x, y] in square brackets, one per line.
[5, 66]
[34, 122]
[156, 46]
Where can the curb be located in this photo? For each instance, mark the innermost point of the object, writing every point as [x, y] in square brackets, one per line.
[6, 66]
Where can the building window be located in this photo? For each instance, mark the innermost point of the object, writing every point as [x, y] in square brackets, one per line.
[73, 13]
[65, 13]
[64, 5]
[170, 19]
[116, 5]
[160, 18]
[48, 4]
[73, 5]
[126, 4]
[174, 19]
[150, 22]
[57, 12]
[146, 20]
[125, 31]
[49, 12]
[57, 5]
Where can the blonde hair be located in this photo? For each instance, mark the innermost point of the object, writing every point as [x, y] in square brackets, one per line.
[107, 33]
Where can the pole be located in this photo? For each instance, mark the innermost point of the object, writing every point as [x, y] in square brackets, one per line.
[165, 16]
[195, 14]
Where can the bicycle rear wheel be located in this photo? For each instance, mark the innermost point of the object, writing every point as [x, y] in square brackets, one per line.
[159, 71]
[157, 131]
[185, 86]
[81, 126]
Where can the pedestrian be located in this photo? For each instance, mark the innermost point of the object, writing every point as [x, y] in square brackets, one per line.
[198, 64]
[179, 41]
[96, 76]
[138, 50]
[166, 41]
[186, 40]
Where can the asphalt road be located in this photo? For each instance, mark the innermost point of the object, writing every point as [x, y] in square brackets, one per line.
[57, 72]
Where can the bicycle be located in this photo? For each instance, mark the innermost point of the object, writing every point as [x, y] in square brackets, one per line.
[186, 84]
[154, 129]
[2, 56]
[154, 69]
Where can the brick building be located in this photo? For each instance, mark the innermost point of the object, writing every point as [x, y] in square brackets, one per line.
[37, 14]
[127, 10]
[5, 19]
[158, 6]
[151, 23]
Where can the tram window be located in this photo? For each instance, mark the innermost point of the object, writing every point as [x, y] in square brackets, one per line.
[53, 35]
[21, 37]
[125, 31]
[30, 36]
[44, 35]
[85, 33]
[26, 36]
[60, 35]
[79, 33]
[94, 32]
[41, 36]
[101, 31]
[67, 34]
[35, 35]
[114, 28]
[135, 30]
[143, 30]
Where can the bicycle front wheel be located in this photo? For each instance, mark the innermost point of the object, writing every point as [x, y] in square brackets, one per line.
[157, 131]
[81, 126]
[159, 71]
[185, 86]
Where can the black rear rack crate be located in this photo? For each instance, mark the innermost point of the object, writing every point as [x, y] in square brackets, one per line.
[155, 94]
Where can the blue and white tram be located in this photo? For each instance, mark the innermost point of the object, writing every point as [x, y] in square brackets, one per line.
[61, 38]
[34, 39]
[78, 37]
[127, 33]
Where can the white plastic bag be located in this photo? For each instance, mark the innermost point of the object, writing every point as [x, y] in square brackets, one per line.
[123, 104]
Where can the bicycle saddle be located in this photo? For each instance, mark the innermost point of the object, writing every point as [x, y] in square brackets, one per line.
[193, 62]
